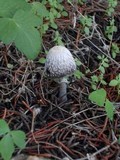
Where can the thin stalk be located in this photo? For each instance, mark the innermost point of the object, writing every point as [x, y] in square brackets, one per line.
[63, 92]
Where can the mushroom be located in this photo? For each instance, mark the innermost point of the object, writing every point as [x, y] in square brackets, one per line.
[60, 64]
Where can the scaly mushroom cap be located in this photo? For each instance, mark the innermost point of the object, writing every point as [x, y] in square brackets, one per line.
[59, 62]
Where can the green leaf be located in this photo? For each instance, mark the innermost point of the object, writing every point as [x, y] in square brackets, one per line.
[19, 138]
[109, 109]
[114, 29]
[87, 31]
[89, 22]
[28, 38]
[58, 15]
[87, 71]
[40, 9]
[82, 20]
[54, 25]
[110, 36]
[102, 69]
[6, 147]
[28, 42]
[106, 60]
[8, 30]
[115, 47]
[78, 74]
[9, 7]
[99, 57]
[44, 28]
[94, 78]
[51, 17]
[103, 82]
[77, 61]
[98, 97]
[42, 60]
[110, 11]
[4, 128]
[94, 87]
[26, 19]
[105, 64]
[113, 83]
[64, 13]
[114, 54]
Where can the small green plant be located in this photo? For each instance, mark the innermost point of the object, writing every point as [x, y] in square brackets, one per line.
[95, 80]
[77, 73]
[104, 63]
[58, 39]
[10, 139]
[86, 23]
[111, 29]
[114, 50]
[111, 7]
[99, 79]
[56, 10]
[41, 11]
[99, 97]
[116, 83]
[42, 60]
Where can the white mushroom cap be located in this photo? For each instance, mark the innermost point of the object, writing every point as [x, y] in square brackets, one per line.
[59, 62]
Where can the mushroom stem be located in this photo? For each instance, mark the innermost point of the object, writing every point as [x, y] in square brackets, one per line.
[63, 92]
[63, 89]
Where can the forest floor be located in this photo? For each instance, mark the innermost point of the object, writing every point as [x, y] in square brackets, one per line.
[77, 129]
